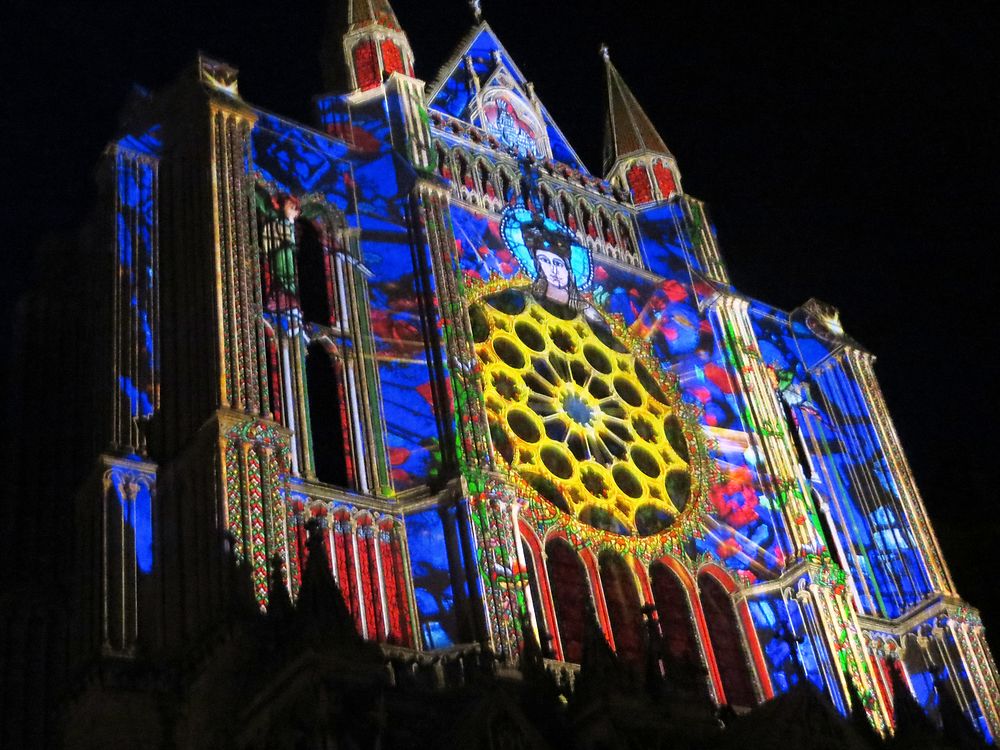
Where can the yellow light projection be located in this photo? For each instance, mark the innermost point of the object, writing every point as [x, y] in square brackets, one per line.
[573, 411]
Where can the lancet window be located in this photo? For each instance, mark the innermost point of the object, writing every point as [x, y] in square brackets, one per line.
[673, 609]
[664, 179]
[624, 608]
[727, 648]
[570, 594]
[366, 69]
[312, 308]
[639, 184]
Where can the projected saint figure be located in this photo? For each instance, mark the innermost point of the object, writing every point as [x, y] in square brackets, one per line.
[573, 408]
[559, 266]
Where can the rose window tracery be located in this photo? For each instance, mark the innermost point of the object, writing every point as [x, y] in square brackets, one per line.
[575, 413]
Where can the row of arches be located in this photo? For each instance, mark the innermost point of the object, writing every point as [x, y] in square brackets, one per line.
[366, 556]
[477, 180]
[702, 629]
[599, 229]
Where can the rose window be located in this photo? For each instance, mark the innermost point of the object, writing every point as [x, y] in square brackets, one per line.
[574, 412]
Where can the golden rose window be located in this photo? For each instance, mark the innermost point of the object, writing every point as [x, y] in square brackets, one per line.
[574, 413]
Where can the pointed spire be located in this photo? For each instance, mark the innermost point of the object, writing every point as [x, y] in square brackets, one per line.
[532, 657]
[364, 45]
[243, 603]
[601, 673]
[364, 12]
[635, 157]
[279, 603]
[628, 131]
[655, 654]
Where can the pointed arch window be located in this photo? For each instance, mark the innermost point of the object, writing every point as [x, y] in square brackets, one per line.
[673, 609]
[664, 179]
[625, 233]
[724, 634]
[507, 188]
[394, 575]
[392, 59]
[624, 609]
[639, 184]
[569, 213]
[588, 220]
[570, 594]
[274, 374]
[535, 592]
[276, 220]
[548, 207]
[443, 160]
[366, 70]
[344, 560]
[527, 194]
[486, 185]
[464, 174]
[326, 416]
[371, 580]
[608, 229]
[315, 288]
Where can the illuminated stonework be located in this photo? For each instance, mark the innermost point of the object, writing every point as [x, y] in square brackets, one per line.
[505, 400]
[578, 417]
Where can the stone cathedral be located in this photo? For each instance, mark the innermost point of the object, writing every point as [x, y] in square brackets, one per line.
[352, 419]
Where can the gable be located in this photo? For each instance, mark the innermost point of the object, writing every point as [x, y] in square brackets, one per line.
[452, 91]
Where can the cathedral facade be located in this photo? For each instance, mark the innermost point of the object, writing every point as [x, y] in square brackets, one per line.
[509, 397]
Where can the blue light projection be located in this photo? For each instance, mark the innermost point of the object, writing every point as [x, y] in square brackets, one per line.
[138, 400]
[455, 95]
[135, 170]
[745, 529]
[135, 500]
[846, 463]
[432, 584]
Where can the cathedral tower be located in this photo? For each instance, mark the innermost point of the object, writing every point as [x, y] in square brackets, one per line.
[368, 43]
[511, 404]
[635, 157]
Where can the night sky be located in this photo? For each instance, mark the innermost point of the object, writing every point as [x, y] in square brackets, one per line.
[847, 153]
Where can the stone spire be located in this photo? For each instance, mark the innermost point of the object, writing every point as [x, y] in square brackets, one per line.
[365, 12]
[372, 42]
[635, 156]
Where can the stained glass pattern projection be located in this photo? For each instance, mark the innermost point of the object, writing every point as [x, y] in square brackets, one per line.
[580, 418]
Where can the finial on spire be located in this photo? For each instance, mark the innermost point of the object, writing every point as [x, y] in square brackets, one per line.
[605, 53]
[477, 10]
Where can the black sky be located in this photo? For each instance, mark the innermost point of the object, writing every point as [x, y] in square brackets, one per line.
[847, 151]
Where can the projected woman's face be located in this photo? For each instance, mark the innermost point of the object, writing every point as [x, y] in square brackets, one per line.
[553, 268]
